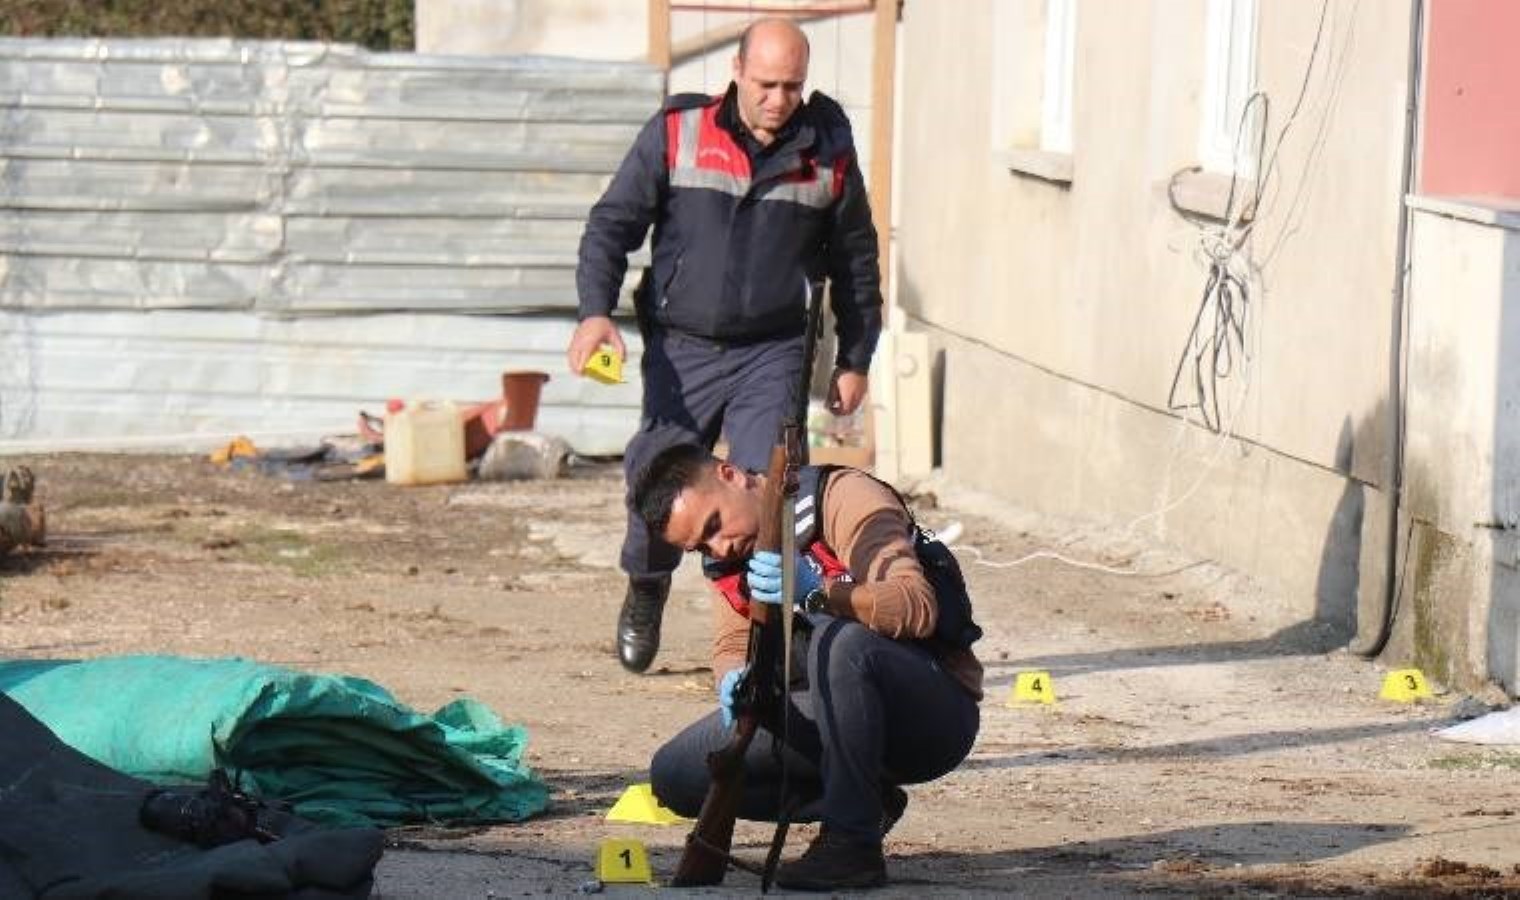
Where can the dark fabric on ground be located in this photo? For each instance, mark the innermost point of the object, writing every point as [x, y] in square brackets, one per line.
[69, 829]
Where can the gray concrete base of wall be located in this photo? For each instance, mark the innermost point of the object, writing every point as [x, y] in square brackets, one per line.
[1457, 613]
[1310, 535]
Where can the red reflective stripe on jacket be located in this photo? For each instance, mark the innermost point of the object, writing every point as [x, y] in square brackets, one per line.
[832, 567]
[728, 586]
[807, 170]
[840, 166]
[717, 151]
[672, 137]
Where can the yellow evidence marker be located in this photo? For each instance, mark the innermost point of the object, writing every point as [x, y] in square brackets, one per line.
[605, 366]
[638, 805]
[622, 862]
[1405, 686]
[1032, 687]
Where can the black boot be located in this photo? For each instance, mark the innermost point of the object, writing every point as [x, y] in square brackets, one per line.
[833, 863]
[638, 628]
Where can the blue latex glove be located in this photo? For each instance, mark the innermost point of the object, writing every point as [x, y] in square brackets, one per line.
[726, 689]
[764, 577]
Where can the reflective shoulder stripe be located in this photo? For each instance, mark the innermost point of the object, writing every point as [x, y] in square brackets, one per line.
[691, 133]
[815, 186]
[804, 518]
[816, 192]
[706, 156]
[713, 181]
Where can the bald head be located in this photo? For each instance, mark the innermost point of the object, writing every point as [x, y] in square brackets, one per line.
[769, 72]
[774, 33]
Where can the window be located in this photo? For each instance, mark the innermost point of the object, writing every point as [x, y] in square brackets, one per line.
[1060, 44]
[1229, 79]
[1033, 51]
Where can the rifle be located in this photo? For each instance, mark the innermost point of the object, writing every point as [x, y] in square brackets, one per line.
[761, 695]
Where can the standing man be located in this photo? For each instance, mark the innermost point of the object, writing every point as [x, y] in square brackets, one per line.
[755, 198]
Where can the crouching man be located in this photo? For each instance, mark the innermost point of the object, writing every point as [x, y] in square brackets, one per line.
[888, 687]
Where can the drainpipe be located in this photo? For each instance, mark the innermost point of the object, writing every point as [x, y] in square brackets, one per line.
[1395, 477]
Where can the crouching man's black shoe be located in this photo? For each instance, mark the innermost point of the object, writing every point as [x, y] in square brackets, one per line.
[638, 628]
[834, 863]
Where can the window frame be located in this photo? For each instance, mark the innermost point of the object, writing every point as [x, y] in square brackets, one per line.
[1057, 87]
[1229, 80]
[1033, 79]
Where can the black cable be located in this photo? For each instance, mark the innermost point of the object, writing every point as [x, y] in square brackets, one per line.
[1214, 355]
[1226, 296]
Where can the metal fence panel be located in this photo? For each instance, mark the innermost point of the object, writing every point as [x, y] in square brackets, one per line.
[454, 183]
[201, 237]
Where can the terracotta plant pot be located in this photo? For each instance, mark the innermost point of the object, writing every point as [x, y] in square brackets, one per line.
[522, 390]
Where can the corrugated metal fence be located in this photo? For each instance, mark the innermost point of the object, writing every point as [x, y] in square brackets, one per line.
[283, 180]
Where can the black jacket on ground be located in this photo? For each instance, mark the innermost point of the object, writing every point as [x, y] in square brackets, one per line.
[737, 240]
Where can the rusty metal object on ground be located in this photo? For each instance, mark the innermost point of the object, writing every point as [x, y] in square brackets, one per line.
[21, 517]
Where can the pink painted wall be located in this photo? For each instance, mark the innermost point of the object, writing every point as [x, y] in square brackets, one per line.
[1472, 98]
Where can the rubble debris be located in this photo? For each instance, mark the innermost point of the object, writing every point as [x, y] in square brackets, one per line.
[335, 458]
[1501, 727]
[524, 455]
[239, 447]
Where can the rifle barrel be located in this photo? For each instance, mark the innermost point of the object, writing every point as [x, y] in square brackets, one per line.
[706, 857]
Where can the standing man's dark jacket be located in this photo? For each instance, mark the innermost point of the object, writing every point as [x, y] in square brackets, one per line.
[739, 230]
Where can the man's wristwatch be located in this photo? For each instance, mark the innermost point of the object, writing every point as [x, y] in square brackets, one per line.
[815, 601]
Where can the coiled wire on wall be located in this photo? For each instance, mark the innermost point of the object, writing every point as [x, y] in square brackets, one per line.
[1216, 346]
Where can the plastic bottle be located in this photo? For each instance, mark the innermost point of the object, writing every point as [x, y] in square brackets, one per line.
[424, 444]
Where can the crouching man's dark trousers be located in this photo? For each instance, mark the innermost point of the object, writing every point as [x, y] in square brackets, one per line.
[876, 712]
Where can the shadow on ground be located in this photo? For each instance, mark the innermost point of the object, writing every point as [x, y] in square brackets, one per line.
[1231, 745]
[1308, 638]
[1226, 844]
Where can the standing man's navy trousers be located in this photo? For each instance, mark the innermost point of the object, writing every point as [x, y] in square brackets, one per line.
[695, 390]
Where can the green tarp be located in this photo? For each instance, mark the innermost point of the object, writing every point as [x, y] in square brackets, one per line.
[341, 750]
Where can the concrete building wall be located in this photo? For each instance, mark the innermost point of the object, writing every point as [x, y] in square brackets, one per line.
[841, 45]
[1076, 299]
[1462, 458]
[583, 29]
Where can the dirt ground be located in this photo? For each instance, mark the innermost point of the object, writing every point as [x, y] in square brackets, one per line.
[1200, 745]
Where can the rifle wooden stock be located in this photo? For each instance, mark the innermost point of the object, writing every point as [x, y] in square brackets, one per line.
[705, 859]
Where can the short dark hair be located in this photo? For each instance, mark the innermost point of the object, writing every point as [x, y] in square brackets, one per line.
[672, 471]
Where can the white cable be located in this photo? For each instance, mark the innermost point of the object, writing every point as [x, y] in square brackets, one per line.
[1076, 563]
[1220, 439]
[952, 531]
